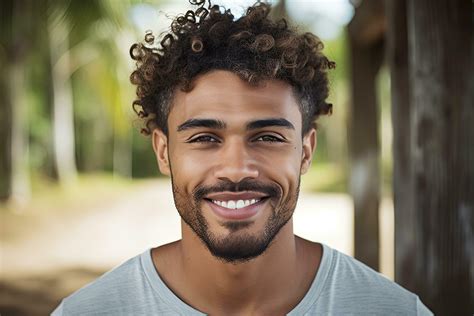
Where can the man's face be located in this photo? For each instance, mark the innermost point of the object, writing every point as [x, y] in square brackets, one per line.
[235, 155]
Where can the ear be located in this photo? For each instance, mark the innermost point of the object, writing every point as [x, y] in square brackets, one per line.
[309, 145]
[160, 146]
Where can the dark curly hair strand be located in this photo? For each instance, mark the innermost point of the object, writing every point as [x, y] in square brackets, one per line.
[254, 47]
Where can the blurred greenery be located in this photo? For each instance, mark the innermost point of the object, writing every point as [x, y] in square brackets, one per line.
[96, 36]
[325, 177]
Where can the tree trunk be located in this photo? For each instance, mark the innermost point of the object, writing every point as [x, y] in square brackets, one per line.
[21, 188]
[6, 106]
[442, 154]
[397, 56]
[366, 53]
[15, 182]
[63, 114]
[6, 118]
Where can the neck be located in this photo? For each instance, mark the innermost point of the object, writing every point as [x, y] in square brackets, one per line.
[244, 288]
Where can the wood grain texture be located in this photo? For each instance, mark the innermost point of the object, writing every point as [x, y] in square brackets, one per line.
[440, 49]
[366, 55]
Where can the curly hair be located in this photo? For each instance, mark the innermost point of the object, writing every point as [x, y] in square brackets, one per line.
[254, 47]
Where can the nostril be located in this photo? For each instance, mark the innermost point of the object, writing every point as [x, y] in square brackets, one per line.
[236, 176]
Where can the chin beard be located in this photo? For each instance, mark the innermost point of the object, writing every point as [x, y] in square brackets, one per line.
[237, 246]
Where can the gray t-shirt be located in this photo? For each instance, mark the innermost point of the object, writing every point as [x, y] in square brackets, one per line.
[342, 286]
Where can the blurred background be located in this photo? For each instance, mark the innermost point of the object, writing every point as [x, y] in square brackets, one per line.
[392, 181]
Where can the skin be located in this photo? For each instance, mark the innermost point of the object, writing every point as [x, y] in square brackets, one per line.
[274, 282]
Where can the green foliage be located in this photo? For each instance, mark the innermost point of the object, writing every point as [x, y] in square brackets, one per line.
[336, 50]
[324, 177]
[106, 130]
[144, 161]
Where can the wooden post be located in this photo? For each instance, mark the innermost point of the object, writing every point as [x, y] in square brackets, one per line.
[397, 58]
[441, 63]
[366, 54]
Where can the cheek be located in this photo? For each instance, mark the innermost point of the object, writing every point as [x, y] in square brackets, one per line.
[283, 168]
[188, 169]
[191, 164]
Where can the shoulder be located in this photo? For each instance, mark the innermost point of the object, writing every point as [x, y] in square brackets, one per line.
[353, 274]
[109, 293]
[352, 287]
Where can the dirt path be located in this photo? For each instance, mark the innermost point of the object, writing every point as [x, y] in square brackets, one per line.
[61, 254]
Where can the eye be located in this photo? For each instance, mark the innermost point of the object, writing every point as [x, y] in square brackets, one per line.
[268, 138]
[203, 139]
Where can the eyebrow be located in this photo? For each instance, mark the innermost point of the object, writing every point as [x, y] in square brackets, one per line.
[218, 124]
[281, 122]
[197, 123]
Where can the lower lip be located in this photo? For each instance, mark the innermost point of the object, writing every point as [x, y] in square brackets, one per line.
[236, 214]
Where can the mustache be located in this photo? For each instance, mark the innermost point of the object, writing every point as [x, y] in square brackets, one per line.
[270, 189]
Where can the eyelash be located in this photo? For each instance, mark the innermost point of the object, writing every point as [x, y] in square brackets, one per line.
[274, 139]
[211, 139]
[199, 139]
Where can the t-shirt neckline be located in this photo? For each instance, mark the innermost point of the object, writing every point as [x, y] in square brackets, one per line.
[178, 305]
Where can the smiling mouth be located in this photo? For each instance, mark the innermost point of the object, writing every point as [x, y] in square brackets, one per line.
[236, 204]
[243, 205]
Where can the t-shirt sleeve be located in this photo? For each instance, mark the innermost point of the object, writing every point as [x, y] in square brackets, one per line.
[421, 309]
[58, 311]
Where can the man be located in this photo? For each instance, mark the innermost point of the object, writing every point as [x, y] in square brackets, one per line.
[231, 105]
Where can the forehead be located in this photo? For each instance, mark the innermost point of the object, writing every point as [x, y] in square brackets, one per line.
[223, 95]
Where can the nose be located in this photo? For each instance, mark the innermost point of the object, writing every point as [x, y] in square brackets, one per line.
[235, 163]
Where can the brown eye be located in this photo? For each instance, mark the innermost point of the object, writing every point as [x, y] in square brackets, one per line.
[203, 139]
[268, 138]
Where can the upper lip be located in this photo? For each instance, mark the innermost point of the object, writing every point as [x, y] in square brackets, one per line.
[226, 196]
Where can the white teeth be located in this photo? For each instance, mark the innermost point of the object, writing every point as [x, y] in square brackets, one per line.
[233, 205]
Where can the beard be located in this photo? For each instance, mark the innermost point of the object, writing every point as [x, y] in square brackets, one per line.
[237, 246]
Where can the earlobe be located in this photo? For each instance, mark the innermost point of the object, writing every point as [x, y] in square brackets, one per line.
[309, 145]
[160, 146]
